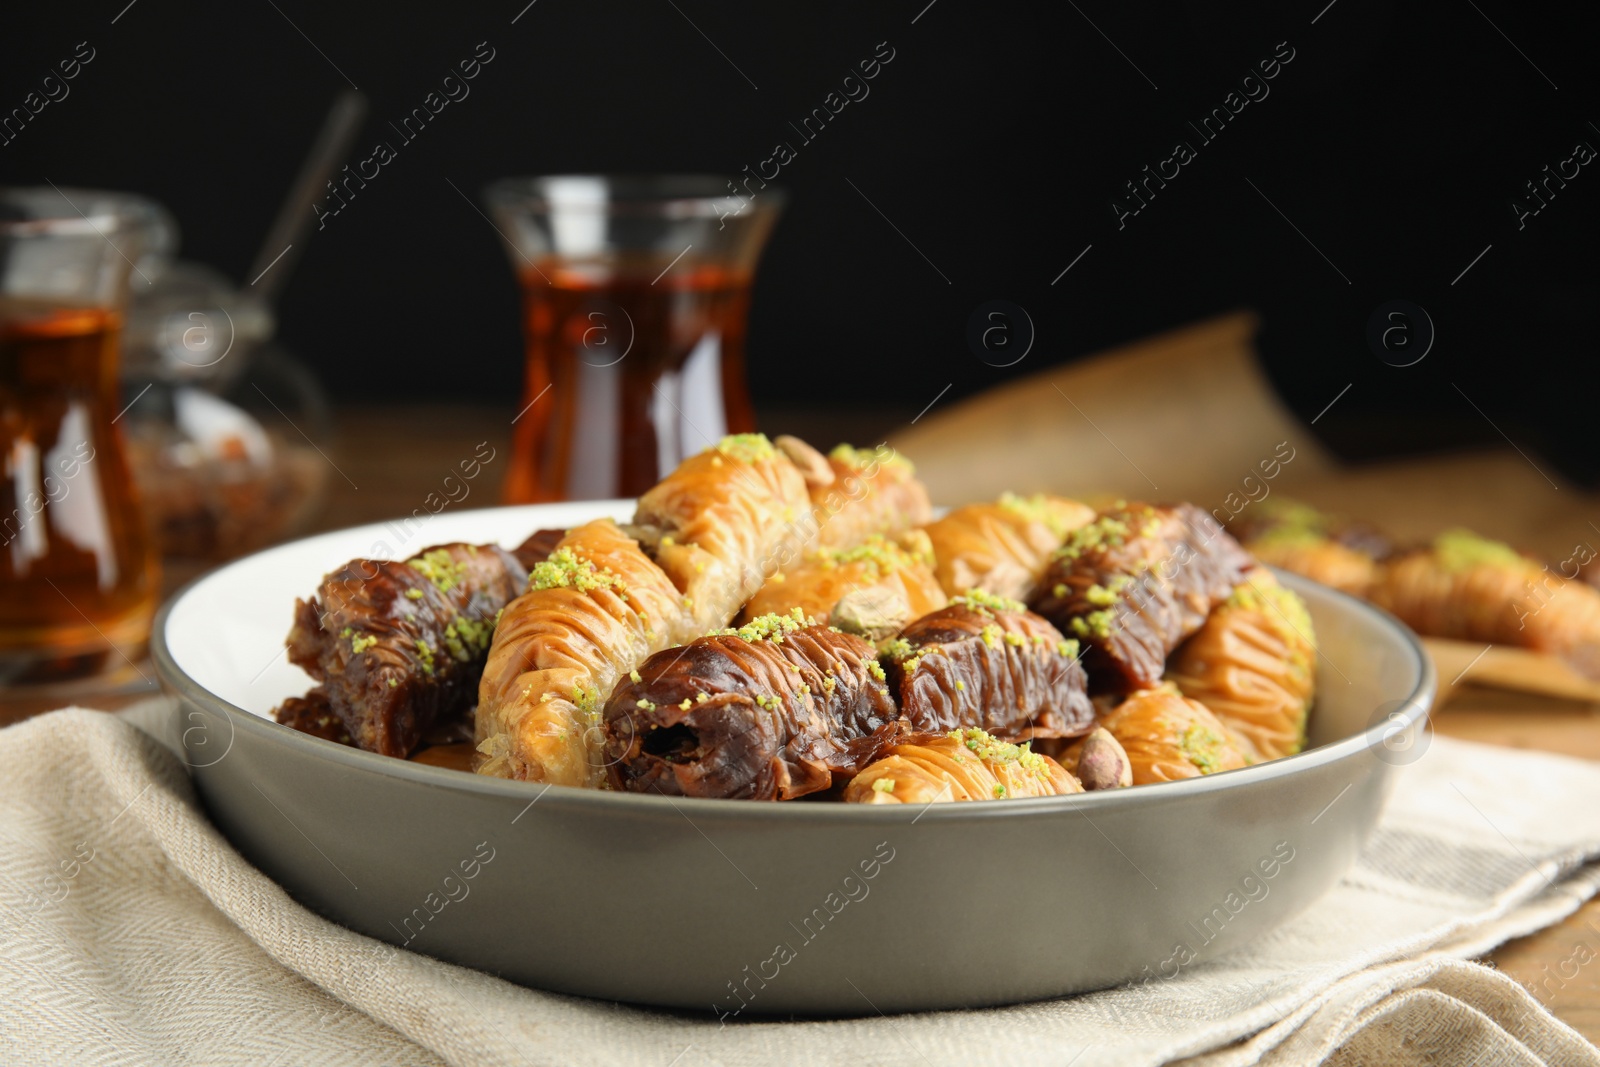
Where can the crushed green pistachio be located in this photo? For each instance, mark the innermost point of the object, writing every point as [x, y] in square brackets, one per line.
[414, 594]
[361, 642]
[633, 676]
[440, 568]
[1202, 746]
[566, 569]
[991, 635]
[875, 669]
[985, 746]
[1096, 623]
[883, 785]
[898, 649]
[393, 682]
[978, 599]
[425, 651]
[746, 447]
[1056, 514]
[770, 627]
[1460, 550]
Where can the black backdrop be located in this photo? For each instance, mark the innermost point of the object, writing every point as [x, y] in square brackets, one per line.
[1385, 156]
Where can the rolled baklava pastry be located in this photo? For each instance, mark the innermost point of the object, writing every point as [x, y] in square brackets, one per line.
[1002, 548]
[893, 582]
[1341, 555]
[961, 765]
[859, 492]
[1467, 587]
[1253, 664]
[398, 645]
[1134, 583]
[726, 520]
[593, 611]
[988, 662]
[1167, 736]
[770, 711]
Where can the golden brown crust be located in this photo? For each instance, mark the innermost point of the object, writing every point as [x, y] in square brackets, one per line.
[594, 611]
[1253, 665]
[828, 574]
[1321, 559]
[1168, 737]
[1472, 589]
[1002, 548]
[961, 765]
[873, 491]
[728, 518]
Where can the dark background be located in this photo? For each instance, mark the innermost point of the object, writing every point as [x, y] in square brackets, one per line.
[995, 140]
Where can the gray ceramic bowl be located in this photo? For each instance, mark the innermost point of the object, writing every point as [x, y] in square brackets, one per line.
[757, 907]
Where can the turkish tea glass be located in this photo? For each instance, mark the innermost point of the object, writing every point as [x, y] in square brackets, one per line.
[78, 576]
[635, 293]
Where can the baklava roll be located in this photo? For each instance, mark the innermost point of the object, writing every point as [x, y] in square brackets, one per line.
[770, 711]
[961, 765]
[1253, 664]
[398, 645]
[1302, 540]
[988, 662]
[896, 578]
[864, 492]
[1002, 548]
[594, 610]
[726, 520]
[1466, 587]
[1134, 583]
[1167, 737]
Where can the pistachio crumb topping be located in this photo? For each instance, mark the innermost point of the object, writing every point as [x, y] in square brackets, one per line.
[633, 676]
[425, 652]
[979, 600]
[991, 635]
[565, 569]
[1202, 746]
[414, 594]
[1053, 512]
[769, 627]
[746, 447]
[875, 669]
[440, 568]
[393, 682]
[361, 642]
[861, 458]
[1107, 531]
[1460, 550]
[985, 746]
[883, 785]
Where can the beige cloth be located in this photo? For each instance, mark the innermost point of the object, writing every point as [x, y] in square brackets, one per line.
[133, 934]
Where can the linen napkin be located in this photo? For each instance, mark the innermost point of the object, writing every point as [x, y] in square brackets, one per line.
[132, 933]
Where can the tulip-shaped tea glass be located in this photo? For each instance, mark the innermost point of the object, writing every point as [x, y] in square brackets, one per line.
[635, 292]
[78, 577]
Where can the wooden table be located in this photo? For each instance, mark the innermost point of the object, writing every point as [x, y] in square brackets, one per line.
[396, 456]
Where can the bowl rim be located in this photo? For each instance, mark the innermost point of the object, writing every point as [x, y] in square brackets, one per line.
[1413, 709]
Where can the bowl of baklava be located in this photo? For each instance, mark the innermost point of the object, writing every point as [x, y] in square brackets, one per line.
[781, 738]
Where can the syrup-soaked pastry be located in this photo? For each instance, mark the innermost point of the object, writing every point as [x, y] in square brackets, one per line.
[1002, 548]
[961, 765]
[1466, 587]
[770, 711]
[313, 714]
[1300, 539]
[398, 645]
[1167, 736]
[726, 520]
[988, 662]
[1134, 583]
[593, 611]
[1253, 664]
[899, 572]
[859, 492]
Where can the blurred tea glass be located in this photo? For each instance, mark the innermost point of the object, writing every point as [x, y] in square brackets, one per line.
[635, 293]
[78, 576]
